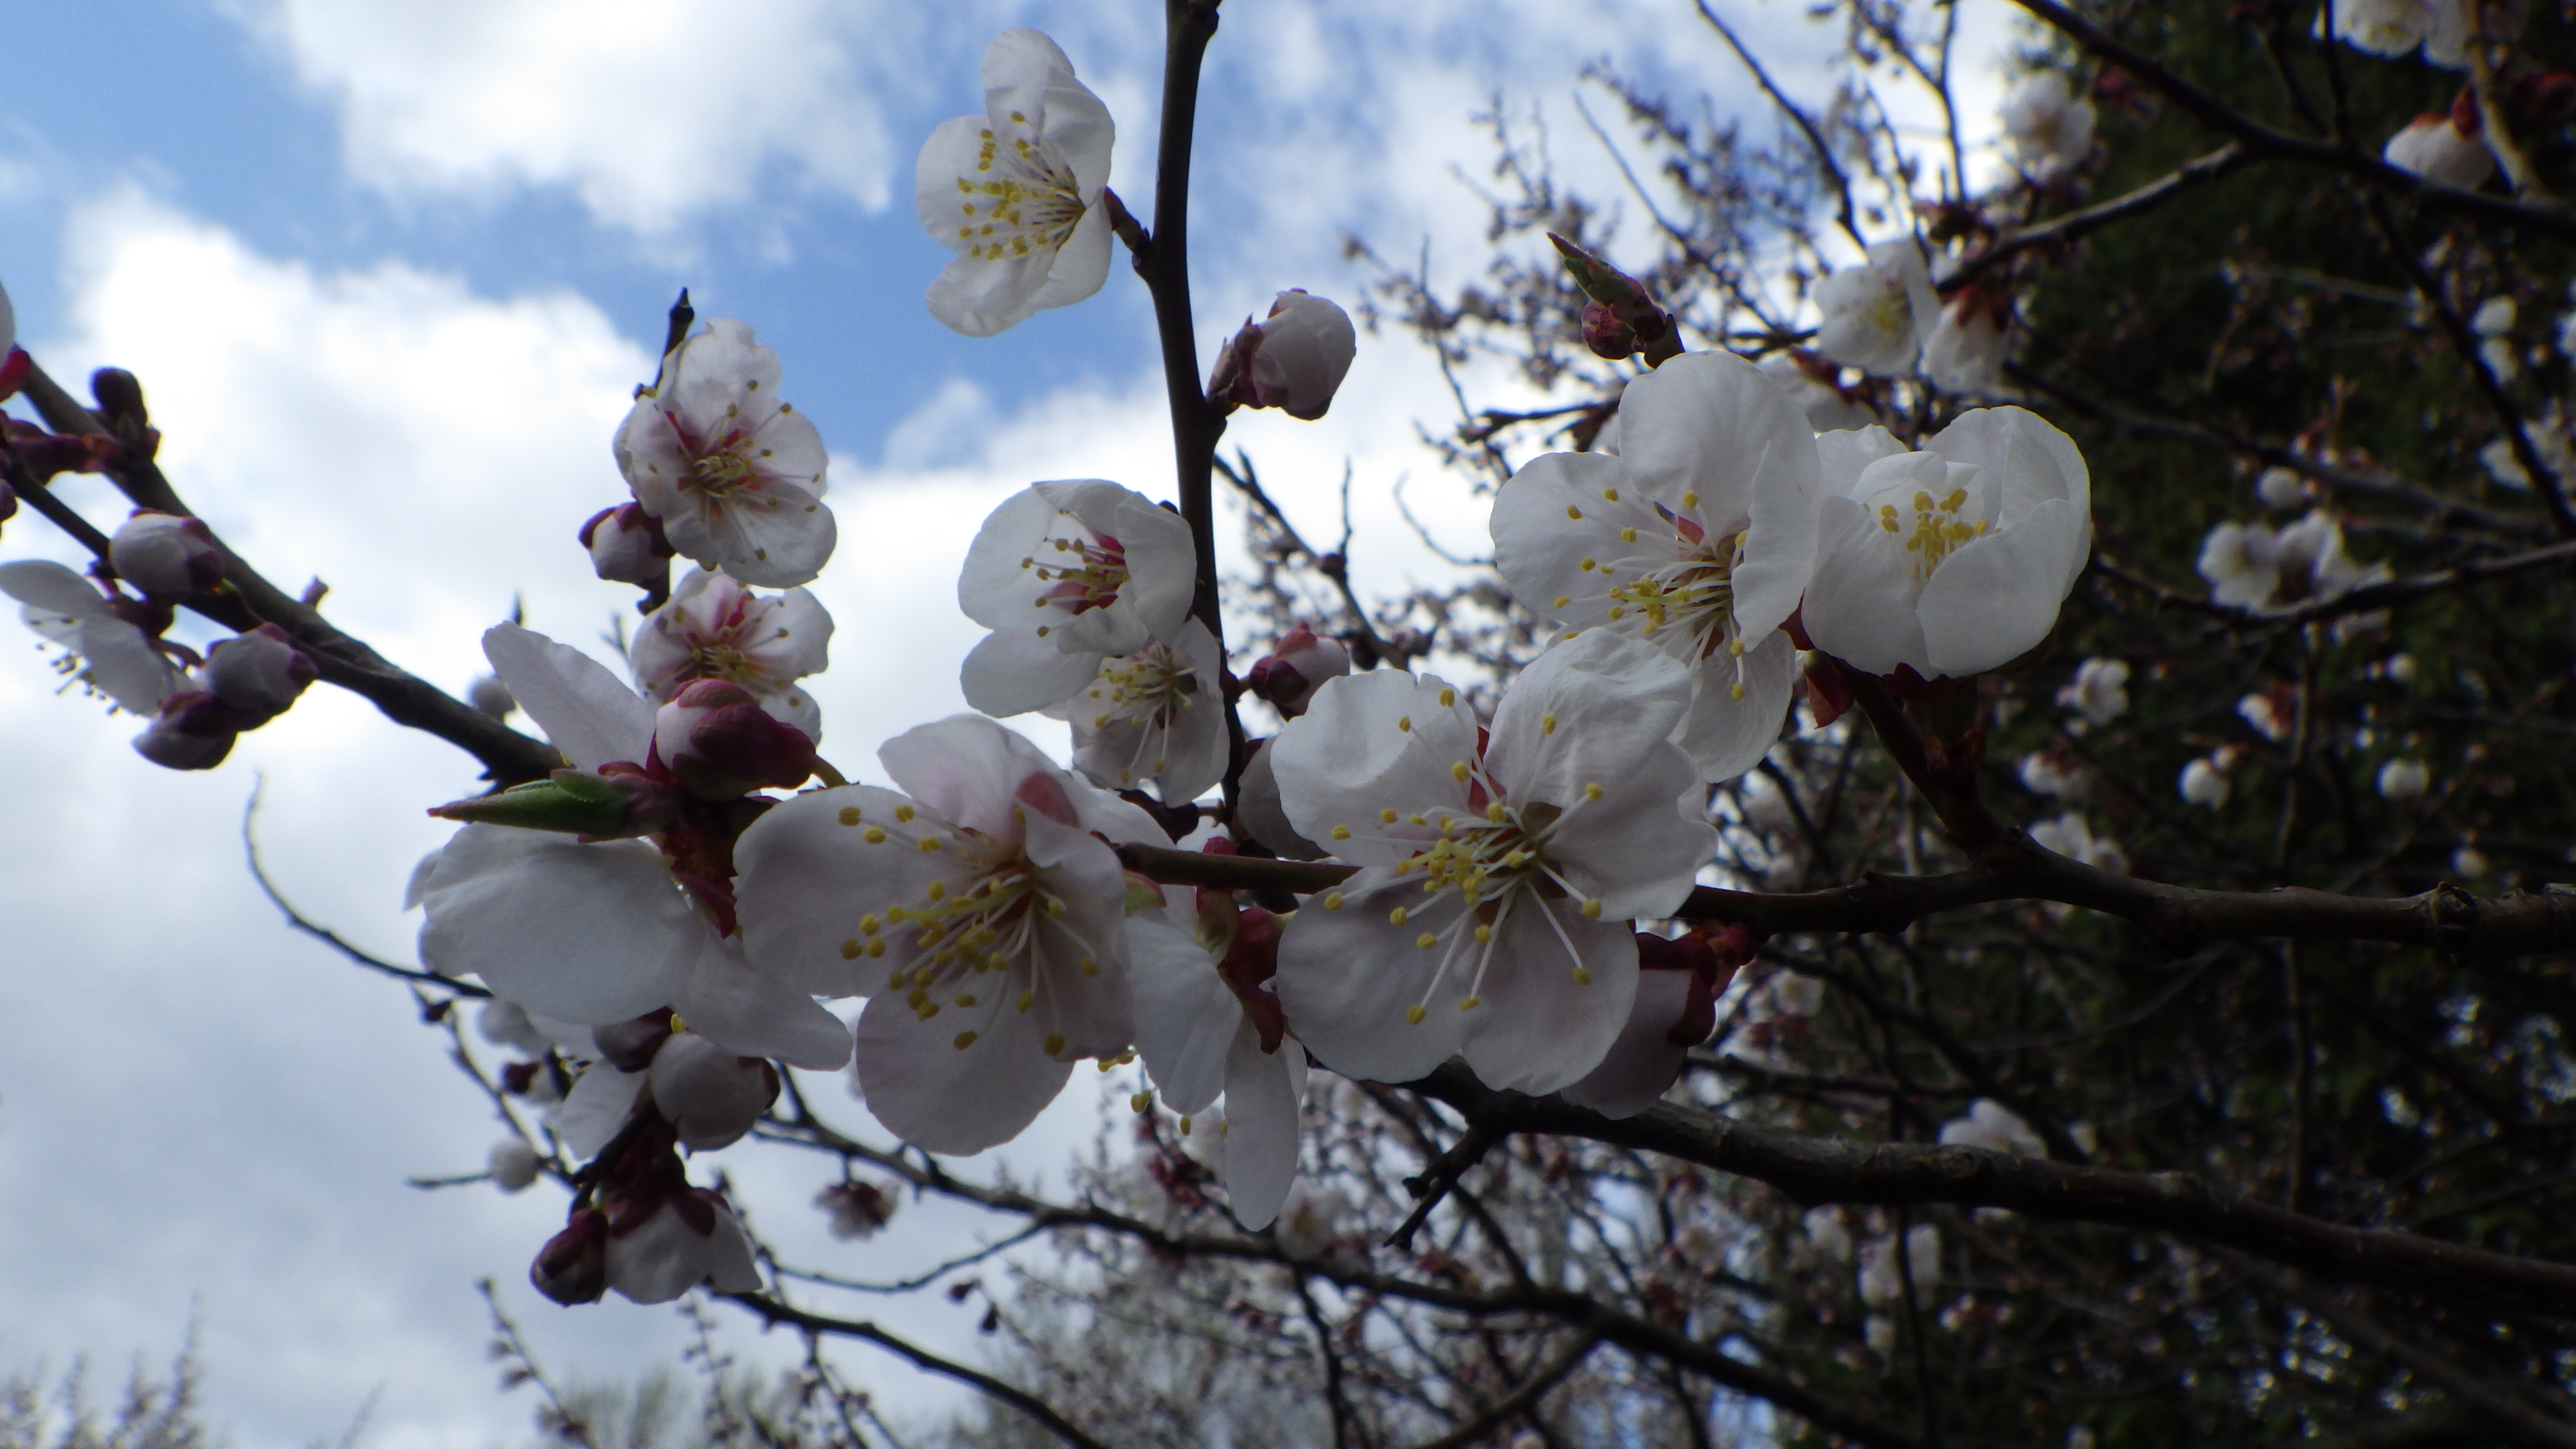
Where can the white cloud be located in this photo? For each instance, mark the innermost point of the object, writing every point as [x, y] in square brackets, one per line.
[649, 110]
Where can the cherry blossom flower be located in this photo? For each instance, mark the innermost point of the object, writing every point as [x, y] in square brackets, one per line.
[2438, 148]
[1066, 574]
[1016, 192]
[2444, 28]
[2281, 489]
[2547, 429]
[2204, 783]
[1490, 914]
[102, 648]
[2268, 718]
[2100, 692]
[978, 908]
[714, 628]
[1877, 313]
[2253, 567]
[2047, 127]
[1996, 1128]
[1208, 1024]
[601, 932]
[1697, 537]
[1156, 715]
[1950, 560]
[2042, 775]
[734, 474]
[1966, 349]
[2402, 780]
[1293, 360]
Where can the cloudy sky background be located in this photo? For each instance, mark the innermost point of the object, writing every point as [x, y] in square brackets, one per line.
[388, 270]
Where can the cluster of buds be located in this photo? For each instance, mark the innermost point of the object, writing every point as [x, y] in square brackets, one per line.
[1620, 318]
[1293, 360]
[245, 682]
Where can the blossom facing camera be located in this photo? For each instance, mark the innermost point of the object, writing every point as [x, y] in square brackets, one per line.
[1016, 192]
[1698, 538]
[626, 545]
[1498, 874]
[2438, 148]
[2047, 127]
[1293, 360]
[1952, 560]
[1287, 677]
[1156, 715]
[714, 628]
[165, 556]
[1067, 574]
[734, 474]
[1876, 314]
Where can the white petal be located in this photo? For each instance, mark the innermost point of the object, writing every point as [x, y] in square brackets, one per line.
[1595, 707]
[1540, 551]
[1994, 600]
[777, 536]
[124, 665]
[2024, 454]
[44, 584]
[938, 1096]
[757, 1013]
[588, 933]
[1348, 977]
[968, 770]
[1162, 563]
[1371, 742]
[984, 298]
[1634, 849]
[806, 878]
[1015, 672]
[1020, 58]
[1859, 607]
[587, 712]
[947, 157]
[1710, 423]
[1643, 1063]
[1841, 457]
[1186, 1016]
[596, 1107]
[1540, 1027]
[1726, 736]
[1263, 1091]
[1080, 266]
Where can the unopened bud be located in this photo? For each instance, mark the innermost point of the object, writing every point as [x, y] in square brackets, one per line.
[512, 1165]
[619, 803]
[166, 556]
[573, 1265]
[1293, 360]
[1607, 333]
[1620, 318]
[626, 544]
[721, 744]
[193, 731]
[490, 696]
[711, 1095]
[259, 673]
[120, 398]
[1288, 676]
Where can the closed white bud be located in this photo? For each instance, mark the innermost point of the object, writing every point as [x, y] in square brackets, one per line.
[260, 673]
[2204, 784]
[165, 556]
[513, 1164]
[1293, 360]
[2281, 489]
[2435, 148]
[2404, 779]
[711, 1095]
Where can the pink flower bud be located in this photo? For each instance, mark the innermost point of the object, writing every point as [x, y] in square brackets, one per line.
[626, 544]
[1289, 676]
[1293, 360]
[1607, 333]
[721, 743]
[259, 673]
[166, 556]
[712, 1096]
[573, 1265]
[193, 731]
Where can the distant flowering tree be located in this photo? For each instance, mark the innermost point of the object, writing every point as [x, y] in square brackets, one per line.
[1977, 866]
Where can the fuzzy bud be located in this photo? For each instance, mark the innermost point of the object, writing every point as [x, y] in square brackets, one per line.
[1293, 360]
[710, 1095]
[573, 1265]
[490, 696]
[722, 744]
[1289, 676]
[166, 556]
[626, 545]
[259, 673]
[193, 731]
[512, 1165]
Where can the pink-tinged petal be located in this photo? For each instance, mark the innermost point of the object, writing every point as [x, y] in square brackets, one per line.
[722, 378]
[1590, 709]
[1996, 599]
[587, 711]
[1162, 565]
[1263, 1092]
[1370, 743]
[1860, 605]
[596, 1107]
[1016, 673]
[967, 770]
[587, 933]
[1540, 1024]
[1186, 1016]
[774, 533]
[1726, 736]
[757, 1013]
[810, 877]
[1540, 550]
[938, 1096]
[1643, 1063]
[1350, 977]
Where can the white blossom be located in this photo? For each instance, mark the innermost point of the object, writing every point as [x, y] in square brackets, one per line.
[2434, 147]
[1877, 313]
[2250, 566]
[976, 910]
[2047, 127]
[2469, 863]
[1951, 560]
[1293, 360]
[2042, 775]
[2204, 783]
[1996, 1128]
[1966, 349]
[2404, 779]
[165, 556]
[1067, 574]
[1490, 914]
[1016, 191]
[2069, 836]
[1156, 716]
[683, 1240]
[100, 647]
[2266, 715]
[2547, 429]
[2444, 28]
[2100, 692]
[1697, 537]
[714, 628]
[734, 474]
[2280, 489]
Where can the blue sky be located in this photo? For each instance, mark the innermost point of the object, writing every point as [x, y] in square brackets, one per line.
[388, 269]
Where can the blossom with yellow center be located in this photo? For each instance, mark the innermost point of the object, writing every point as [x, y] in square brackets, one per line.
[714, 628]
[734, 474]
